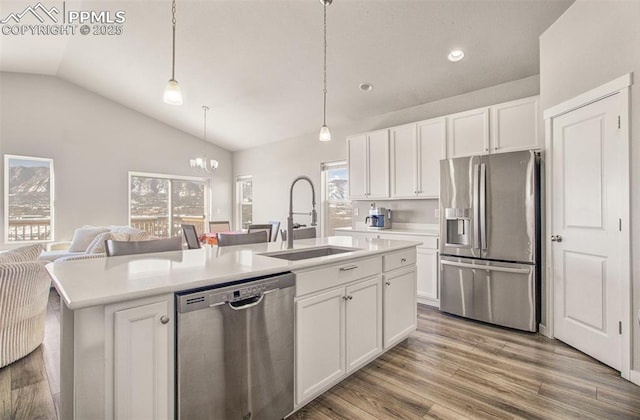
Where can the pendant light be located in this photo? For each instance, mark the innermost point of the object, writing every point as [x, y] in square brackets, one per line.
[172, 92]
[207, 165]
[325, 134]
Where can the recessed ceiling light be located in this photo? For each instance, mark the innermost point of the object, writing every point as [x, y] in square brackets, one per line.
[455, 55]
[366, 87]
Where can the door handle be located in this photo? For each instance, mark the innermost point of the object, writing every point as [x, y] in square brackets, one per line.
[255, 302]
[486, 267]
[164, 319]
[556, 238]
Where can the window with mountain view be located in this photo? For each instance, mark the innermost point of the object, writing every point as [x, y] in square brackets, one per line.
[159, 204]
[28, 198]
[336, 206]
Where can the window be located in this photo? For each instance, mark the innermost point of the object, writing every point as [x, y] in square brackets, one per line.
[28, 200]
[244, 201]
[336, 207]
[159, 204]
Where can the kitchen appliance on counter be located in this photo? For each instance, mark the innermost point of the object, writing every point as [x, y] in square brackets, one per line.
[378, 218]
[490, 236]
[235, 350]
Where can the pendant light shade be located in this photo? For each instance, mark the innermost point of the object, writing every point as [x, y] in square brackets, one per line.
[172, 92]
[325, 134]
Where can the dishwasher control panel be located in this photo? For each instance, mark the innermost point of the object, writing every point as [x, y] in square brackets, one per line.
[192, 301]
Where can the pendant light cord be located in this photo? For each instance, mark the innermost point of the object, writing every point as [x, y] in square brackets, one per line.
[324, 120]
[205, 109]
[173, 58]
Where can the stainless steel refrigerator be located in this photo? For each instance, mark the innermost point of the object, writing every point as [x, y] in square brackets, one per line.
[489, 238]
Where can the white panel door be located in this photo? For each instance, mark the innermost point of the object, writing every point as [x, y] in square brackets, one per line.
[364, 322]
[402, 142]
[378, 170]
[141, 360]
[431, 139]
[357, 166]
[399, 305]
[586, 257]
[319, 342]
[514, 125]
[468, 133]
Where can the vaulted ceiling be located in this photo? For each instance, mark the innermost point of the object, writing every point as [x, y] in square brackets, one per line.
[258, 63]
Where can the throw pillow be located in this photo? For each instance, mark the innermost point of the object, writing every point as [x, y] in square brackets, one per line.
[22, 254]
[97, 245]
[83, 236]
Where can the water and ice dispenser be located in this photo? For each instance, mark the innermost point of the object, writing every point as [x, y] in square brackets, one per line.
[458, 227]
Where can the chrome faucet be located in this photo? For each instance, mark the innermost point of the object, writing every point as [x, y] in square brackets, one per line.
[313, 214]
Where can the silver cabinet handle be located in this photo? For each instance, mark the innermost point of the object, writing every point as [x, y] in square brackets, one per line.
[164, 319]
[348, 297]
[403, 260]
[556, 238]
[348, 268]
[388, 283]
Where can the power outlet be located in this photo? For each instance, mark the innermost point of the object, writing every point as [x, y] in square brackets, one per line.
[356, 211]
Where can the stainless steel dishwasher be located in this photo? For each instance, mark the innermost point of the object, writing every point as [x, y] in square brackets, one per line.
[235, 350]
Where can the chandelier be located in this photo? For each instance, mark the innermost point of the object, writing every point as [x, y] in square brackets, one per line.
[207, 165]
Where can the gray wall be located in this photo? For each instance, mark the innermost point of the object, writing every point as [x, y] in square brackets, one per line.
[592, 43]
[275, 165]
[94, 143]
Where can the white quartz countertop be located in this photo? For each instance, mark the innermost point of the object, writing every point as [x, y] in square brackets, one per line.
[100, 281]
[402, 231]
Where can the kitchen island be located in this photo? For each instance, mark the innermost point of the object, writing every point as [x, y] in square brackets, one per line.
[118, 317]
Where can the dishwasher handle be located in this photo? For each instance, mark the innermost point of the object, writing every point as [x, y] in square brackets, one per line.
[250, 303]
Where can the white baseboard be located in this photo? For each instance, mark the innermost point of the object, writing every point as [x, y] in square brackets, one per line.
[429, 301]
[634, 376]
[542, 329]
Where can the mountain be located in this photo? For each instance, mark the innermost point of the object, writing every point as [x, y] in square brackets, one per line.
[28, 179]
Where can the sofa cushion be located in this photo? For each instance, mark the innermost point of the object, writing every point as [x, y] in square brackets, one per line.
[83, 236]
[22, 254]
[97, 245]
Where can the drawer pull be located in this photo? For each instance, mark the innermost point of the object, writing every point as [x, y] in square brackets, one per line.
[349, 297]
[388, 283]
[404, 260]
[348, 268]
[164, 319]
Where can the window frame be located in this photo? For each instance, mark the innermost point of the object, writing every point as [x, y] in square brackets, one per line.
[207, 193]
[7, 157]
[324, 199]
[238, 203]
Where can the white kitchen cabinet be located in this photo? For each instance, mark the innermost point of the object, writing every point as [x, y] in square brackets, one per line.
[514, 125]
[427, 274]
[320, 335]
[400, 317]
[368, 165]
[415, 151]
[468, 133]
[338, 331]
[143, 366]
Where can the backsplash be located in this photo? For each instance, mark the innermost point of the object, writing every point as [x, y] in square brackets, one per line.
[403, 211]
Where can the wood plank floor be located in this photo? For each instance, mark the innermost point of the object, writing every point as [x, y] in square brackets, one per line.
[450, 368]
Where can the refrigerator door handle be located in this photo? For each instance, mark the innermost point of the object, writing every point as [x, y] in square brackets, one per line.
[483, 205]
[487, 267]
[475, 204]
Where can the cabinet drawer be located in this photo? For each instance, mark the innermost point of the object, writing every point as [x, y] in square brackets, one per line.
[399, 259]
[336, 275]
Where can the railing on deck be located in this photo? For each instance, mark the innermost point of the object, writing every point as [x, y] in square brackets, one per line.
[159, 225]
[29, 229]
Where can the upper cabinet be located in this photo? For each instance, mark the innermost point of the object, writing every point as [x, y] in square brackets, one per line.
[368, 165]
[514, 126]
[415, 156]
[404, 161]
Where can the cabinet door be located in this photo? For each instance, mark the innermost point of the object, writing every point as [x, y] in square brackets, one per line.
[468, 133]
[319, 342]
[378, 184]
[431, 142]
[427, 271]
[357, 166]
[514, 126]
[402, 142]
[143, 366]
[399, 305]
[363, 322]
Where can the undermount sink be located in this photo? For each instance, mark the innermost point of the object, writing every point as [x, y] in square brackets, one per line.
[304, 254]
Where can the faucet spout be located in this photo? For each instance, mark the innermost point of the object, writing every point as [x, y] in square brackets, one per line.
[314, 215]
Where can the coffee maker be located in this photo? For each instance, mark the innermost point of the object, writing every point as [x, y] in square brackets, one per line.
[378, 218]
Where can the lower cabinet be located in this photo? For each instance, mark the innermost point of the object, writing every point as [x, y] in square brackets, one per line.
[428, 284]
[399, 317]
[337, 332]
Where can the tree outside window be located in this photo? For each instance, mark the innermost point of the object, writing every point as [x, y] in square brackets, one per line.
[336, 207]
